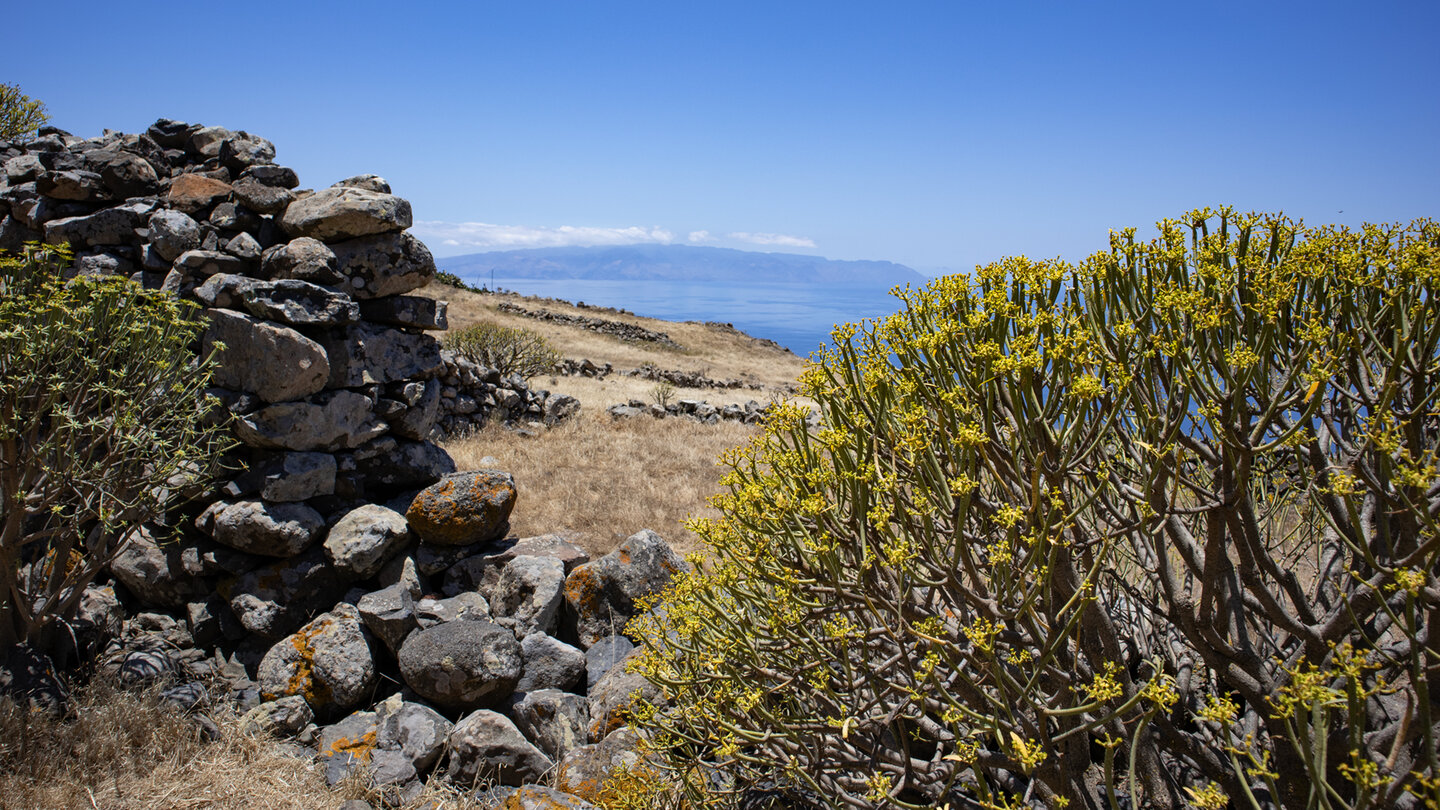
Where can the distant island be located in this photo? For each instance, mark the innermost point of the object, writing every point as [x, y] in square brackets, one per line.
[674, 263]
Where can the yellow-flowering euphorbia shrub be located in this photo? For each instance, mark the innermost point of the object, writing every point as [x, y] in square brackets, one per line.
[1157, 529]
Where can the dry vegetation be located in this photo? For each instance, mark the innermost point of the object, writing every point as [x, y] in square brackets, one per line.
[599, 480]
[119, 750]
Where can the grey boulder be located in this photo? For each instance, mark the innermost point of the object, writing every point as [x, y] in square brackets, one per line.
[272, 361]
[462, 664]
[486, 746]
[304, 259]
[155, 573]
[390, 615]
[367, 353]
[274, 600]
[388, 264]
[530, 591]
[603, 655]
[361, 541]
[557, 722]
[416, 730]
[334, 214]
[259, 527]
[298, 303]
[340, 420]
[549, 664]
[284, 717]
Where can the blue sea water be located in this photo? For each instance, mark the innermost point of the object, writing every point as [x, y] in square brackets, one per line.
[798, 316]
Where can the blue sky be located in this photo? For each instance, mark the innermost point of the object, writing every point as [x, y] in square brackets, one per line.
[931, 134]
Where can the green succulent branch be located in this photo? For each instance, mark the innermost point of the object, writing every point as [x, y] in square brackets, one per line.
[103, 427]
[1156, 528]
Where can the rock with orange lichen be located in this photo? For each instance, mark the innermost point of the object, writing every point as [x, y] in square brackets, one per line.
[328, 662]
[602, 594]
[464, 508]
[486, 746]
[584, 771]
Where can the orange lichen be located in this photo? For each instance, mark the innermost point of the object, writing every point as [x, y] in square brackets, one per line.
[360, 747]
[582, 589]
[303, 680]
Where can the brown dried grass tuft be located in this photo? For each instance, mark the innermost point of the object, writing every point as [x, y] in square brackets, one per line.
[120, 749]
[601, 480]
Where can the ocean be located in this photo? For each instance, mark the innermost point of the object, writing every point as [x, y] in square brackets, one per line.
[798, 316]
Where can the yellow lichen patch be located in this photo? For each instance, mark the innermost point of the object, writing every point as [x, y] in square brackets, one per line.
[582, 589]
[359, 747]
[303, 681]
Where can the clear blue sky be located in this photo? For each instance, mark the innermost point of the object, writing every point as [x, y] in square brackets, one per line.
[932, 134]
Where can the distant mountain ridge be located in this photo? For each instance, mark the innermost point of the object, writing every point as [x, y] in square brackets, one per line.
[674, 263]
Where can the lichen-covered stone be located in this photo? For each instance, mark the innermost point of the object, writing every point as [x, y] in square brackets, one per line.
[463, 508]
[603, 594]
[584, 770]
[328, 662]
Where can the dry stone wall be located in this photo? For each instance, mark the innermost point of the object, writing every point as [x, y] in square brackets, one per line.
[328, 368]
[345, 559]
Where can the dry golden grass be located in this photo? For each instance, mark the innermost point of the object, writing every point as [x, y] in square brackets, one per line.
[716, 352]
[122, 749]
[600, 480]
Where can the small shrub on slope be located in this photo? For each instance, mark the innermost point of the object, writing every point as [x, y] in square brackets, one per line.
[509, 350]
[1155, 529]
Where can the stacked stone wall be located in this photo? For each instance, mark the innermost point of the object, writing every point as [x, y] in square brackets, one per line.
[328, 368]
[344, 559]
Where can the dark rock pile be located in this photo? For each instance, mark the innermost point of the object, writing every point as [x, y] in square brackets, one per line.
[473, 396]
[749, 413]
[620, 329]
[688, 379]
